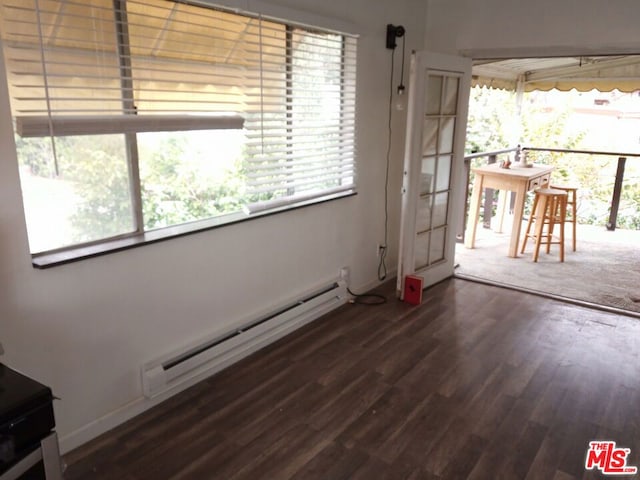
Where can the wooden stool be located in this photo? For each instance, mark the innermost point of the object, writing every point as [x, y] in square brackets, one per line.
[549, 208]
[572, 194]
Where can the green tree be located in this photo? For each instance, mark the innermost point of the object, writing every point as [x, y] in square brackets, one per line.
[543, 126]
[547, 122]
[175, 188]
[492, 121]
[97, 168]
[176, 191]
[493, 124]
[36, 154]
[489, 111]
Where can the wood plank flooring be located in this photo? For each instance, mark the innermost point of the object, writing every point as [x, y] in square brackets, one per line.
[478, 382]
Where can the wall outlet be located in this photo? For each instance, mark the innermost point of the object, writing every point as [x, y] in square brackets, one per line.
[345, 274]
[380, 250]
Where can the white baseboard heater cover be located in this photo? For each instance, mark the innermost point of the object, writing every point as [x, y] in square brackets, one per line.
[212, 355]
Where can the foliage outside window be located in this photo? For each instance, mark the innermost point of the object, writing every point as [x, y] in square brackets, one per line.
[259, 115]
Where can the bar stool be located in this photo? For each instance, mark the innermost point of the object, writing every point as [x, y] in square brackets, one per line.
[549, 208]
[572, 194]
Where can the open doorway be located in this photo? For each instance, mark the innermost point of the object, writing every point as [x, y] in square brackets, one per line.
[580, 116]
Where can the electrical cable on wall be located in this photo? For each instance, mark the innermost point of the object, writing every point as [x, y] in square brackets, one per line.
[393, 32]
[382, 266]
[374, 298]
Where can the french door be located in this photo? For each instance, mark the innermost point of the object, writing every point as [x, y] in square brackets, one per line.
[433, 184]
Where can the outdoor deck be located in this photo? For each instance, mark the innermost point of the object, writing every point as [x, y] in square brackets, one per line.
[605, 269]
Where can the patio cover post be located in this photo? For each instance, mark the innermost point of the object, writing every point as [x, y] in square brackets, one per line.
[487, 211]
[461, 228]
[617, 191]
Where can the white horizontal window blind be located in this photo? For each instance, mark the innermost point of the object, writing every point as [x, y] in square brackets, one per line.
[139, 75]
[74, 60]
[301, 131]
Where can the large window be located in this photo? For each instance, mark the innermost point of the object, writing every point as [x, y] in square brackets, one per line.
[133, 116]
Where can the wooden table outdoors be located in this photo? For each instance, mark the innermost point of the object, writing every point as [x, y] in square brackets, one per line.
[515, 179]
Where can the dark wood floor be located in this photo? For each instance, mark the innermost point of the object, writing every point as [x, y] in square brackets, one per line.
[478, 382]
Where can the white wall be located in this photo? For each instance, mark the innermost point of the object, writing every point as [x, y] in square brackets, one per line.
[86, 328]
[508, 28]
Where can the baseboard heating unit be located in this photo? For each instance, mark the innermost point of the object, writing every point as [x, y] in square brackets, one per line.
[195, 362]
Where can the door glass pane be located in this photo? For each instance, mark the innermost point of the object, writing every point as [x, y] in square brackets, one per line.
[429, 136]
[450, 96]
[436, 247]
[423, 213]
[433, 94]
[426, 175]
[421, 253]
[440, 209]
[444, 173]
[446, 135]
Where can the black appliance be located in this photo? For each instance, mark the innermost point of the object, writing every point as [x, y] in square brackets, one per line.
[26, 420]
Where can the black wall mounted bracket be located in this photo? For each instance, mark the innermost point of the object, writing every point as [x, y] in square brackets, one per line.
[394, 32]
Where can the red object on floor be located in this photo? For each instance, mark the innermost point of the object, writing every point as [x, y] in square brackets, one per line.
[413, 289]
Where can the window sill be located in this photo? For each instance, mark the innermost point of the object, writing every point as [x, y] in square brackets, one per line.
[74, 254]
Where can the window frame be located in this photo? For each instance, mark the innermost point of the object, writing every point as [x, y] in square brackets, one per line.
[139, 236]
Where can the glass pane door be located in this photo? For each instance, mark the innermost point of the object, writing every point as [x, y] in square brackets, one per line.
[433, 187]
[439, 124]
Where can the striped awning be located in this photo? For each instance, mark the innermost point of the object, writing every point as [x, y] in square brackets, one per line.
[581, 73]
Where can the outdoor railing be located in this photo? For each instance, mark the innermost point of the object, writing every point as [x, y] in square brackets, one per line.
[492, 157]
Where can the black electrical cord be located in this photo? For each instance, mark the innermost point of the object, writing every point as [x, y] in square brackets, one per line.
[375, 298]
[382, 266]
[367, 298]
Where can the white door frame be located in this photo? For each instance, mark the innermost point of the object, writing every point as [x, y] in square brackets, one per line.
[422, 63]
